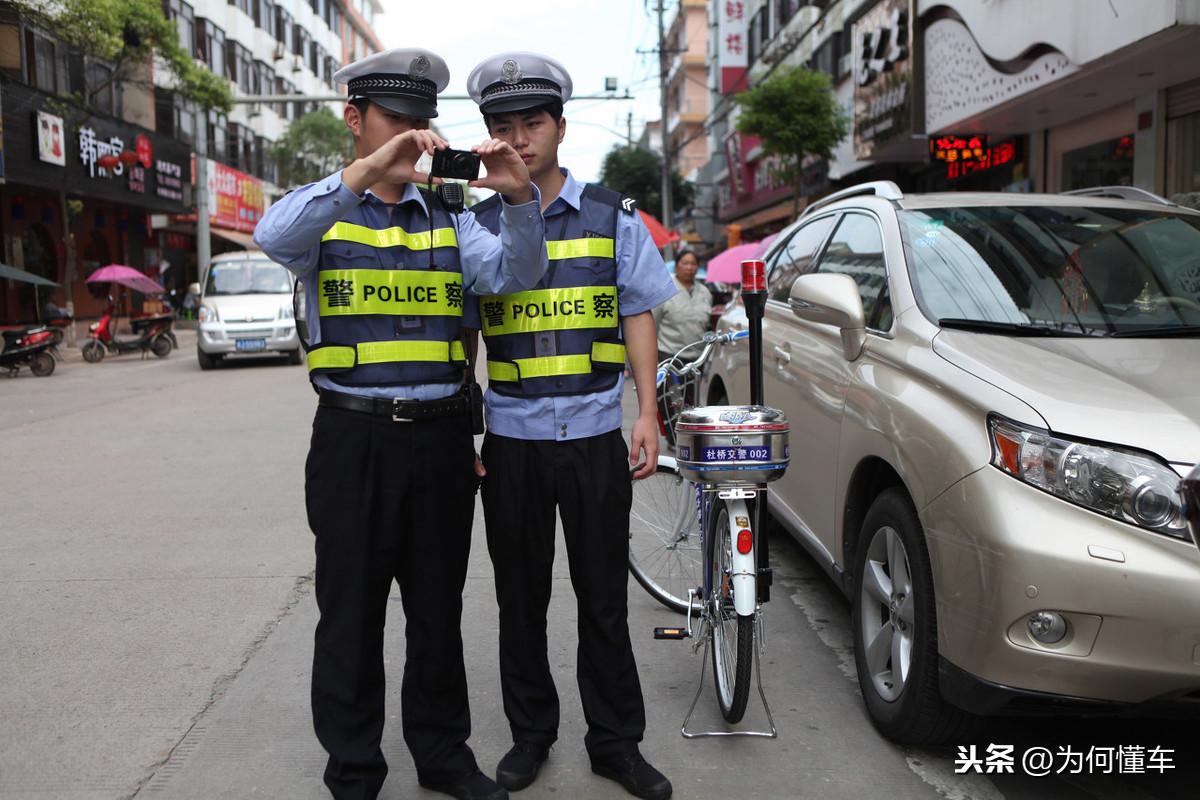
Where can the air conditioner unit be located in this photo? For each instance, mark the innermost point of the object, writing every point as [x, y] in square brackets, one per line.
[279, 51]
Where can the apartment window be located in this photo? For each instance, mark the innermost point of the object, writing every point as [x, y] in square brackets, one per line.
[102, 91]
[784, 11]
[333, 17]
[245, 5]
[264, 16]
[185, 20]
[210, 44]
[330, 68]
[283, 27]
[174, 117]
[300, 39]
[49, 63]
[755, 38]
[287, 110]
[218, 135]
[316, 54]
[239, 65]
[266, 77]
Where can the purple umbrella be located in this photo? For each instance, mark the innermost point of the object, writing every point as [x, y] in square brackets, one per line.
[726, 267]
[126, 276]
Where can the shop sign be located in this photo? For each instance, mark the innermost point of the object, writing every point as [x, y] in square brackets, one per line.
[99, 155]
[236, 199]
[733, 159]
[951, 148]
[170, 179]
[883, 86]
[50, 139]
[993, 157]
[732, 45]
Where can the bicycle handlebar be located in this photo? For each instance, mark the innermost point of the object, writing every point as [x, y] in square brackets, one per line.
[709, 341]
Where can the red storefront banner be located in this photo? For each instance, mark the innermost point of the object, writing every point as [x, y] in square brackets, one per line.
[235, 198]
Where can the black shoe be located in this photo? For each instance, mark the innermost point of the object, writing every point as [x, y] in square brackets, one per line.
[475, 786]
[631, 771]
[520, 765]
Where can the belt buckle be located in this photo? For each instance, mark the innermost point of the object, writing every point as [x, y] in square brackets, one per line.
[396, 401]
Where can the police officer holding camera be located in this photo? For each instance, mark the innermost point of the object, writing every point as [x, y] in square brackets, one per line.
[390, 478]
[555, 363]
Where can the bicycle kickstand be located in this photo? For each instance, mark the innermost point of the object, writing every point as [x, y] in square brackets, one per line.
[755, 654]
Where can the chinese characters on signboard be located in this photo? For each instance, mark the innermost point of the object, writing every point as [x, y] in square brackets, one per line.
[170, 179]
[732, 45]
[992, 157]
[237, 198]
[93, 150]
[951, 148]
[882, 77]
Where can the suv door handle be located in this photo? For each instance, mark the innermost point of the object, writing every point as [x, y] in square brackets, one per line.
[782, 355]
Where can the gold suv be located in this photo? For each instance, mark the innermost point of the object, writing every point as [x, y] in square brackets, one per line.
[993, 398]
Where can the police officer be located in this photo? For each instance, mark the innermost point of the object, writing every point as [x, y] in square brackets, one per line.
[389, 480]
[555, 362]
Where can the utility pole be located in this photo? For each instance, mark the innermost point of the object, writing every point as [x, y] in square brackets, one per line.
[664, 63]
[629, 129]
[203, 235]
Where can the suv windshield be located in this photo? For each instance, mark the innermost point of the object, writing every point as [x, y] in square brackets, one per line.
[1056, 270]
[247, 277]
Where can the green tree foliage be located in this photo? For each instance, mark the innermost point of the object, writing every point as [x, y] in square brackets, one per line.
[637, 173]
[795, 114]
[124, 34]
[314, 146]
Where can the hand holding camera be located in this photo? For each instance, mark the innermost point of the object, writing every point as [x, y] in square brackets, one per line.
[506, 172]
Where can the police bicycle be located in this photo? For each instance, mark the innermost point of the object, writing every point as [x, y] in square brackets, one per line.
[693, 542]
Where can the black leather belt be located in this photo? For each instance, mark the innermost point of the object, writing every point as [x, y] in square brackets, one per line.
[400, 410]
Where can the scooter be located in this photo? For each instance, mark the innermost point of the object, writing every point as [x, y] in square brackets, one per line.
[154, 335]
[28, 348]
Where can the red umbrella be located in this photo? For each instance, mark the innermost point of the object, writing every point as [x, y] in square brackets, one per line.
[658, 233]
[126, 276]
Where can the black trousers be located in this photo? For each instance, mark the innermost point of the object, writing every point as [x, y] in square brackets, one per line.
[588, 480]
[389, 501]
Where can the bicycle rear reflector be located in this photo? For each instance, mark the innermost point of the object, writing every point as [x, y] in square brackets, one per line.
[745, 541]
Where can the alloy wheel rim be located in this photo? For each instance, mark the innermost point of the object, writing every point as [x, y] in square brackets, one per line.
[888, 616]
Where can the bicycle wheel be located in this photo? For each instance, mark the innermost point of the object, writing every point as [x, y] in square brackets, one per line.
[732, 633]
[664, 536]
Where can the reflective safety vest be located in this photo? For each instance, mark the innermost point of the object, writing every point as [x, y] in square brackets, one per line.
[563, 337]
[389, 299]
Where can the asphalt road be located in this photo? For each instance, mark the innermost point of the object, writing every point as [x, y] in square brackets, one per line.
[155, 592]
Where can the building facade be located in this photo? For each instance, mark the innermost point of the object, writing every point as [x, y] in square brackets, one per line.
[55, 179]
[1016, 95]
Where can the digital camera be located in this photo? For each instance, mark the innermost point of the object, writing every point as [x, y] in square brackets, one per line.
[459, 164]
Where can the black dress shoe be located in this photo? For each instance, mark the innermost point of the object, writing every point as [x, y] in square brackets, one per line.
[475, 786]
[520, 765]
[631, 771]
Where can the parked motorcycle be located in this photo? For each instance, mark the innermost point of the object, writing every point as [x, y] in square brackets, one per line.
[153, 334]
[29, 347]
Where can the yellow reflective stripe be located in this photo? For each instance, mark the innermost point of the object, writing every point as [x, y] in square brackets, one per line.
[347, 357]
[579, 248]
[544, 367]
[405, 292]
[386, 352]
[549, 310]
[389, 237]
[332, 357]
[502, 371]
[608, 352]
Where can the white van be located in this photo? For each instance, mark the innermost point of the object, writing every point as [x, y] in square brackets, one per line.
[245, 309]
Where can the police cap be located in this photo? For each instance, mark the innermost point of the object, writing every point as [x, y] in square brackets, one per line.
[405, 80]
[517, 81]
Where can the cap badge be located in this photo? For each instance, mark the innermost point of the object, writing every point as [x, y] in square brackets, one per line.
[419, 67]
[510, 71]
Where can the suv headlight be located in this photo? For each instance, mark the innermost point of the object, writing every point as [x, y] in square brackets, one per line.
[1124, 484]
[208, 314]
[285, 312]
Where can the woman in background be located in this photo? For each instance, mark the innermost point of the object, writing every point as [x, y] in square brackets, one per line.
[684, 318]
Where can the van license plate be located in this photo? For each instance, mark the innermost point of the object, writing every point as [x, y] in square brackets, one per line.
[250, 345]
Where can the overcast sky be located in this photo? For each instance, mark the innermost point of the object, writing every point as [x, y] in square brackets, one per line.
[591, 38]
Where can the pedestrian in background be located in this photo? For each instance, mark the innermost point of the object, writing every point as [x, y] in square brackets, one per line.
[390, 482]
[685, 317]
[555, 361]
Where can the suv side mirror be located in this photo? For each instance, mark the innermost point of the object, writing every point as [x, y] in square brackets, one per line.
[832, 299]
[194, 288]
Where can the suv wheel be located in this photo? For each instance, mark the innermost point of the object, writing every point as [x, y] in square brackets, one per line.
[294, 357]
[895, 627]
[206, 361]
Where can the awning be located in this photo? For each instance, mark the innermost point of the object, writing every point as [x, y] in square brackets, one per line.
[14, 274]
[245, 240]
